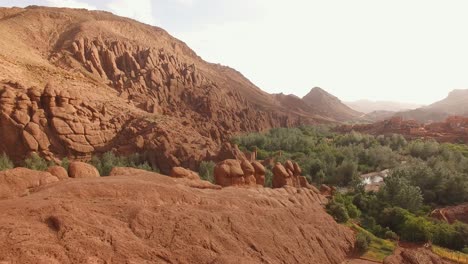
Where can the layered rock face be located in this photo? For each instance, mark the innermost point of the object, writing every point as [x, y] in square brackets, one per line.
[86, 82]
[142, 217]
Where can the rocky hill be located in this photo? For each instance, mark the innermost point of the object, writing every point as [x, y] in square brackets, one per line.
[140, 217]
[76, 82]
[325, 104]
[454, 104]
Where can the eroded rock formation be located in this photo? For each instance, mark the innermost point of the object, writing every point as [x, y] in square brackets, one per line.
[289, 175]
[234, 173]
[120, 85]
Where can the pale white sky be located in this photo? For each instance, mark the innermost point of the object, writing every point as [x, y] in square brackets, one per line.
[402, 50]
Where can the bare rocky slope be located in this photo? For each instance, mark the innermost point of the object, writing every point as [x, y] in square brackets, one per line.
[75, 82]
[140, 217]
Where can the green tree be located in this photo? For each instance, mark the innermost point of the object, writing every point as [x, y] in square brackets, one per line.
[397, 191]
[416, 229]
[363, 241]
[338, 211]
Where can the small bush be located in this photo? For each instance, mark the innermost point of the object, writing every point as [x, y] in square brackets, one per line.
[363, 241]
[65, 163]
[338, 211]
[36, 162]
[353, 211]
[5, 162]
[465, 250]
[206, 171]
[391, 235]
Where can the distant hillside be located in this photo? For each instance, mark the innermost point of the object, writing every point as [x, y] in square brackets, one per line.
[368, 106]
[325, 104]
[454, 104]
[376, 116]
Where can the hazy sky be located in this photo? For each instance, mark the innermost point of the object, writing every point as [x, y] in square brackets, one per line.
[403, 50]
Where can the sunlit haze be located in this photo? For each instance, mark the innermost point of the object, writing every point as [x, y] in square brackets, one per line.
[409, 51]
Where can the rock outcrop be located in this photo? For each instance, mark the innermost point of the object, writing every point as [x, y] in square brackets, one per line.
[78, 169]
[451, 214]
[122, 86]
[234, 173]
[21, 181]
[151, 218]
[289, 175]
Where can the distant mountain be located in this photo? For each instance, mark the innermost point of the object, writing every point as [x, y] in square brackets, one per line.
[368, 106]
[327, 105]
[456, 103]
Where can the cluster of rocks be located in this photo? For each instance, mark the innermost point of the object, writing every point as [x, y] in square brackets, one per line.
[233, 172]
[20, 181]
[241, 172]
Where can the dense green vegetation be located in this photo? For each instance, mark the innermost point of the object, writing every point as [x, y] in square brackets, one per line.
[424, 175]
[106, 162]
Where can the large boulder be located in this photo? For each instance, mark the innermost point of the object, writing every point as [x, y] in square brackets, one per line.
[78, 169]
[259, 173]
[19, 181]
[179, 172]
[59, 172]
[249, 173]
